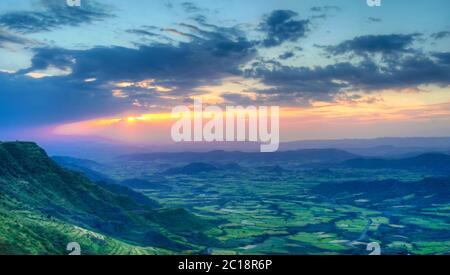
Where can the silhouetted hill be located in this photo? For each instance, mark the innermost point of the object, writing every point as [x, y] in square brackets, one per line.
[430, 161]
[191, 169]
[388, 151]
[378, 147]
[387, 147]
[309, 155]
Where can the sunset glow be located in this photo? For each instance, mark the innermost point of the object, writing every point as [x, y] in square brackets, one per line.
[122, 77]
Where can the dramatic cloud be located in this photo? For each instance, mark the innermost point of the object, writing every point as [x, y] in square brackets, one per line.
[55, 14]
[25, 101]
[206, 59]
[443, 57]
[210, 56]
[281, 26]
[370, 44]
[176, 69]
[109, 80]
[171, 63]
[300, 84]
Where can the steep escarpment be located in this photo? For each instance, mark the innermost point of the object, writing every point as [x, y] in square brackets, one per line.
[31, 182]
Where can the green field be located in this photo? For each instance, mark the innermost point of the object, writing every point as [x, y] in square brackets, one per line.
[273, 213]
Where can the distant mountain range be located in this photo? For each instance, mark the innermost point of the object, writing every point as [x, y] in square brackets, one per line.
[314, 158]
[200, 167]
[430, 161]
[380, 147]
[192, 163]
[307, 156]
[191, 169]
[400, 142]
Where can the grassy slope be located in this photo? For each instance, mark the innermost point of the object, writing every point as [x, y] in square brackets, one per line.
[50, 203]
[26, 232]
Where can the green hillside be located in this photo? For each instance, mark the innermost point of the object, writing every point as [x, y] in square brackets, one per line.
[28, 232]
[43, 207]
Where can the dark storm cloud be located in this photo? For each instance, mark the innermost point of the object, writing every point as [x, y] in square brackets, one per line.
[297, 81]
[443, 57]
[369, 44]
[46, 57]
[441, 35]
[325, 82]
[26, 101]
[55, 14]
[282, 26]
[206, 59]
[193, 63]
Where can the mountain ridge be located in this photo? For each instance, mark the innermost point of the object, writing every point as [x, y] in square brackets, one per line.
[433, 161]
[39, 185]
[229, 156]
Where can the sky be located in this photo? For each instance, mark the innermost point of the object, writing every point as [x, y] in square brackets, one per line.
[113, 69]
